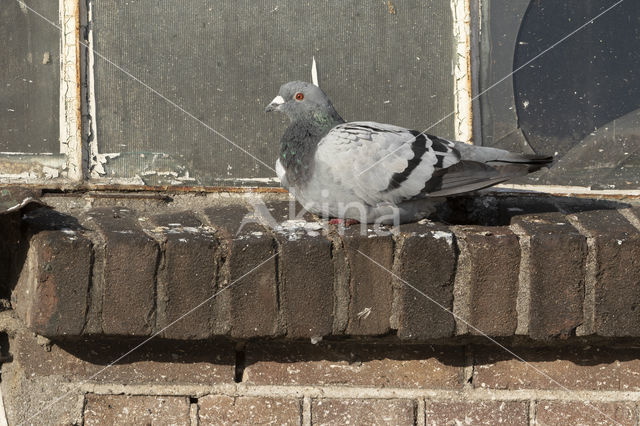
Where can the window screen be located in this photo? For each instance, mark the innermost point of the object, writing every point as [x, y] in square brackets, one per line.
[223, 61]
[29, 101]
[579, 101]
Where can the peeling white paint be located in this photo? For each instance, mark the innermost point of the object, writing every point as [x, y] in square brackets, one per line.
[24, 153]
[50, 173]
[99, 161]
[463, 118]
[70, 115]
[96, 160]
[253, 180]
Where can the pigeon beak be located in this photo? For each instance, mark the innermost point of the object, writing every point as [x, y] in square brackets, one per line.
[275, 104]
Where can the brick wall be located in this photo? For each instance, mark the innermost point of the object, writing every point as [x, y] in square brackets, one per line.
[522, 312]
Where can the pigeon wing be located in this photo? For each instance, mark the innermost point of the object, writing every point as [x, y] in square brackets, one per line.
[380, 162]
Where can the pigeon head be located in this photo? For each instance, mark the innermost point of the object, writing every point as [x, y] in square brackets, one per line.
[300, 101]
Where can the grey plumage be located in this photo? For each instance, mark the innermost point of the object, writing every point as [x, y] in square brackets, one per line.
[370, 171]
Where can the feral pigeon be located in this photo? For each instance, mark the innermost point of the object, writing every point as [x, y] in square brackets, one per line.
[371, 172]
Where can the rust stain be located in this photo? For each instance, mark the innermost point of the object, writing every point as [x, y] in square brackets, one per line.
[467, 7]
[88, 187]
[71, 189]
[79, 155]
[391, 7]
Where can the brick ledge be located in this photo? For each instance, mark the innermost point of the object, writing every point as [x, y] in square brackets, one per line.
[549, 270]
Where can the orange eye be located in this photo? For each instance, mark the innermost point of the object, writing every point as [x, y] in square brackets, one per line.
[299, 96]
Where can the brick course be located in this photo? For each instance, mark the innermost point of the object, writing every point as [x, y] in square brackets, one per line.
[491, 280]
[314, 283]
[306, 300]
[557, 262]
[592, 368]
[187, 277]
[362, 411]
[585, 413]
[426, 248]
[370, 286]
[249, 244]
[130, 410]
[512, 413]
[130, 264]
[617, 269]
[52, 292]
[226, 410]
[354, 364]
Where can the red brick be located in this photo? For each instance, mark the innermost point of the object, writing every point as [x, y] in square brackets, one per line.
[586, 368]
[375, 365]
[157, 362]
[226, 410]
[362, 411]
[370, 285]
[187, 277]
[51, 294]
[617, 250]
[136, 410]
[427, 262]
[512, 413]
[493, 256]
[252, 272]
[306, 271]
[557, 274]
[585, 413]
[131, 259]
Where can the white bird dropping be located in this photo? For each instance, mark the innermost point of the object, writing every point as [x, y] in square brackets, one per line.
[314, 72]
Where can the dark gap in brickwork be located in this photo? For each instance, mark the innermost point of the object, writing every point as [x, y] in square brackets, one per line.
[193, 400]
[90, 286]
[499, 209]
[239, 365]
[276, 249]
[5, 354]
[469, 360]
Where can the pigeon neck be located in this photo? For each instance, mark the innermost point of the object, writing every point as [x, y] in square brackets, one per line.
[328, 119]
[300, 142]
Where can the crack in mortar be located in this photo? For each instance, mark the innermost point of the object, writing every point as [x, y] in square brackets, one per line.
[591, 279]
[397, 285]
[462, 297]
[341, 283]
[221, 318]
[93, 318]
[523, 300]
[631, 217]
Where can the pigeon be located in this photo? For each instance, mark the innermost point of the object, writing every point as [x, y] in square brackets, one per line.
[370, 172]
